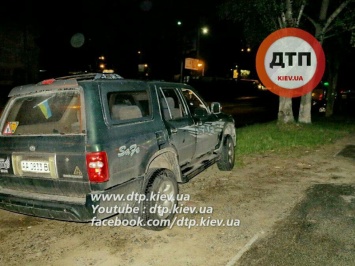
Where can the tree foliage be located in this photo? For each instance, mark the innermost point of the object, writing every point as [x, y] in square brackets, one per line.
[258, 17]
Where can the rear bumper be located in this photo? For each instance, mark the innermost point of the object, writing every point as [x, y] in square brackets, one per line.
[69, 208]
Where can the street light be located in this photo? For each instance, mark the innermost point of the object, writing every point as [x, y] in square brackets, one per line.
[201, 66]
[101, 64]
[204, 31]
[187, 48]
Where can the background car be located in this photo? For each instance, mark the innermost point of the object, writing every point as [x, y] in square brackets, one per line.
[347, 94]
[319, 101]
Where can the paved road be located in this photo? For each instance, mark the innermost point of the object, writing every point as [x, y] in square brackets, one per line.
[319, 231]
[248, 110]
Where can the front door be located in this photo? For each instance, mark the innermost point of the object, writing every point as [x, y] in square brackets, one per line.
[179, 124]
[206, 124]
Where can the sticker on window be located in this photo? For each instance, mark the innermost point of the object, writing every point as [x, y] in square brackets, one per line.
[10, 128]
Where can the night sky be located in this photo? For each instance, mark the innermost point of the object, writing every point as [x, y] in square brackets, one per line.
[119, 29]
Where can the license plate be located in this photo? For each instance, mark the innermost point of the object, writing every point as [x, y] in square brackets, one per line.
[35, 167]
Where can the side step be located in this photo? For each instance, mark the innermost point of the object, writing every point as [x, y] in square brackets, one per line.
[190, 172]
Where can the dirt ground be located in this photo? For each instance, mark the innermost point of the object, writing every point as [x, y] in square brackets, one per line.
[252, 200]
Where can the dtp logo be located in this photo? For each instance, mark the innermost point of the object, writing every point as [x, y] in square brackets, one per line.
[290, 62]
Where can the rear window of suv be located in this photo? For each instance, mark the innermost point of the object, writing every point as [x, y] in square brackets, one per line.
[45, 113]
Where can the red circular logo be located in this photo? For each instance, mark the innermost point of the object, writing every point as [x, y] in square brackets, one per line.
[290, 62]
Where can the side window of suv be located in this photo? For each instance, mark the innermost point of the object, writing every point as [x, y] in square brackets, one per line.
[171, 105]
[193, 101]
[127, 105]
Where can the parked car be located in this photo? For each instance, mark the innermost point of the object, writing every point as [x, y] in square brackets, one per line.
[319, 101]
[87, 147]
[347, 94]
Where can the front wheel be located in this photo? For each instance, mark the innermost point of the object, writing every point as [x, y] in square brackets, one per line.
[161, 198]
[226, 161]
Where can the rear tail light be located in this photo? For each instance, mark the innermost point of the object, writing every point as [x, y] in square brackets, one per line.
[97, 166]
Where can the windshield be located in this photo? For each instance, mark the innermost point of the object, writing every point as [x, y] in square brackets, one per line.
[49, 113]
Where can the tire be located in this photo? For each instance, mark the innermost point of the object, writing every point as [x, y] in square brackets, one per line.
[227, 159]
[158, 210]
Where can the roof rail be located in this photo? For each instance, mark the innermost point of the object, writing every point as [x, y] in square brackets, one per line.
[92, 76]
[61, 82]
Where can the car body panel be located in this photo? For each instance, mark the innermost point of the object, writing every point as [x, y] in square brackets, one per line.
[49, 129]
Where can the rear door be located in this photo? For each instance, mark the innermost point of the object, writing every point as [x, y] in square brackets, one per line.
[131, 138]
[42, 144]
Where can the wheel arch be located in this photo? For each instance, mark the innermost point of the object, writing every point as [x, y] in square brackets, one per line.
[166, 159]
[229, 130]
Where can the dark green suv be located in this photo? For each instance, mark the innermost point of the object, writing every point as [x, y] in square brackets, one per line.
[88, 147]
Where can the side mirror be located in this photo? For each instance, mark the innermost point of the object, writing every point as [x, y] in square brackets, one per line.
[216, 108]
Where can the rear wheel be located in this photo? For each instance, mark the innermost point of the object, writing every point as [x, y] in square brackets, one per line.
[161, 198]
[226, 162]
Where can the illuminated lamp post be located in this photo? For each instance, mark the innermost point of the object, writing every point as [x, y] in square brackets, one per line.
[201, 66]
[204, 31]
[200, 30]
[101, 63]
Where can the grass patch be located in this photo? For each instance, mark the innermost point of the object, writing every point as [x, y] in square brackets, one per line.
[260, 138]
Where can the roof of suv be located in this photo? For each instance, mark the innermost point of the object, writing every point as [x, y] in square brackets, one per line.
[70, 82]
[62, 83]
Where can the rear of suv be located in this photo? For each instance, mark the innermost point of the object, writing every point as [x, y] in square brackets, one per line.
[88, 147]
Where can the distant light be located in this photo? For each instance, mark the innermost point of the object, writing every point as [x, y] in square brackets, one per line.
[102, 57]
[248, 49]
[139, 52]
[109, 71]
[204, 30]
[242, 50]
[326, 83]
[179, 23]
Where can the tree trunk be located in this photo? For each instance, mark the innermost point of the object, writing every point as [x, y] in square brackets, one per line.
[304, 115]
[329, 110]
[331, 91]
[285, 114]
